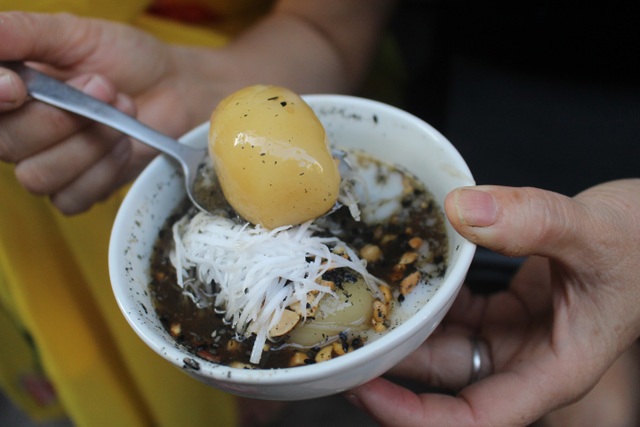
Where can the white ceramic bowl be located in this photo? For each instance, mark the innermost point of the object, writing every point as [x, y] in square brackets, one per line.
[387, 133]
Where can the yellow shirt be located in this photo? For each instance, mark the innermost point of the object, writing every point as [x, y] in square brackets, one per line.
[66, 348]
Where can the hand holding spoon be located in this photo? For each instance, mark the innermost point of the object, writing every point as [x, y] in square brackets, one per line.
[51, 91]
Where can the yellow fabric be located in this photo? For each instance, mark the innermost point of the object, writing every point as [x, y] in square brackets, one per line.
[175, 32]
[232, 16]
[124, 11]
[58, 317]
[20, 367]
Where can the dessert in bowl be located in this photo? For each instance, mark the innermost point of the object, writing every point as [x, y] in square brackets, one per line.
[352, 124]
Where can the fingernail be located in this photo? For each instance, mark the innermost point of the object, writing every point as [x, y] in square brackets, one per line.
[8, 89]
[95, 86]
[353, 399]
[476, 208]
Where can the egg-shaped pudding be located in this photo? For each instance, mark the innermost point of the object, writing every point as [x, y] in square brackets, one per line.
[271, 156]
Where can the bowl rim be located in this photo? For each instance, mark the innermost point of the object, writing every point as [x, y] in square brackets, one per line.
[176, 354]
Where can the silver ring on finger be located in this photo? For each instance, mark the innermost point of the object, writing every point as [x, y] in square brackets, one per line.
[476, 360]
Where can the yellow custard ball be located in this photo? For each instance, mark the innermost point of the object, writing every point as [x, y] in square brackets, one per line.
[272, 158]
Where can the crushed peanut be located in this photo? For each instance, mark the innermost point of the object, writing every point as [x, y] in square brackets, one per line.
[298, 359]
[287, 322]
[310, 309]
[409, 283]
[380, 311]
[415, 242]
[379, 327]
[324, 354]
[233, 346]
[408, 258]
[388, 238]
[398, 272]
[175, 329]
[371, 253]
[339, 250]
[338, 348]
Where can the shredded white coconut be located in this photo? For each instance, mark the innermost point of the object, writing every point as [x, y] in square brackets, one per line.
[253, 272]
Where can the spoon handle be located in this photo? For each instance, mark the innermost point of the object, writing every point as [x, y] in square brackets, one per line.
[53, 92]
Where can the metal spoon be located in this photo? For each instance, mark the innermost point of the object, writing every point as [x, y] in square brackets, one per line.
[51, 91]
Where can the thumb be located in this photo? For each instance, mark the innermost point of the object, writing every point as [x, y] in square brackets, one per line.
[518, 221]
[12, 91]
